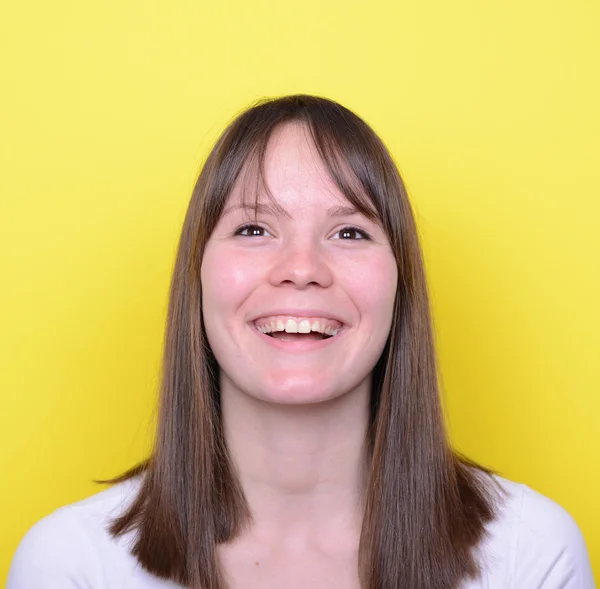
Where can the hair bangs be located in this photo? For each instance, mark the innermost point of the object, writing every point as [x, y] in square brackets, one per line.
[349, 149]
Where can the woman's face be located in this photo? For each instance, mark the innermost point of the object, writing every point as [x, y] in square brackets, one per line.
[318, 267]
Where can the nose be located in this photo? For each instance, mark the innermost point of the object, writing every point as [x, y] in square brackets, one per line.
[301, 262]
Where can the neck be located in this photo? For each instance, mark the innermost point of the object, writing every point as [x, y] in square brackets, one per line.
[300, 466]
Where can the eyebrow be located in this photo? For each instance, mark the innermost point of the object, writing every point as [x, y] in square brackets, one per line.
[267, 209]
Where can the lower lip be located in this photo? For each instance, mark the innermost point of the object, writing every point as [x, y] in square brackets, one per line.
[298, 345]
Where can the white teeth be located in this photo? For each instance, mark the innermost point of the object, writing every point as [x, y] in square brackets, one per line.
[304, 326]
[293, 326]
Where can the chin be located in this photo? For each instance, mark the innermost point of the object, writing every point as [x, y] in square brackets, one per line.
[297, 398]
[301, 391]
[288, 388]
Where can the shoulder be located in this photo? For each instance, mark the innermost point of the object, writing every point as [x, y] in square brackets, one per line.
[67, 548]
[536, 542]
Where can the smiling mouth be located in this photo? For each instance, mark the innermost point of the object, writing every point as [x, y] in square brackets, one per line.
[296, 329]
[298, 332]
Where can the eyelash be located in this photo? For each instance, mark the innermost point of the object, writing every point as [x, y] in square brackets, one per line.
[362, 232]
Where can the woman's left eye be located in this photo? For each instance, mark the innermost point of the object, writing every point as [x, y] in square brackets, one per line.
[347, 233]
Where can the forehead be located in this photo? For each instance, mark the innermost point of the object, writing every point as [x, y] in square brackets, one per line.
[293, 173]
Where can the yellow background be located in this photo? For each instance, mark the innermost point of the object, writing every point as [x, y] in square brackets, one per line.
[106, 111]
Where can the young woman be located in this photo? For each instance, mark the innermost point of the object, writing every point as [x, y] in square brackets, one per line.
[301, 443]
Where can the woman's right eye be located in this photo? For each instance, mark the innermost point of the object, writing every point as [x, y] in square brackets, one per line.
[250, 230]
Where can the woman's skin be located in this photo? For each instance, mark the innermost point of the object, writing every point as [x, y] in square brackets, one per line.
[295, 413]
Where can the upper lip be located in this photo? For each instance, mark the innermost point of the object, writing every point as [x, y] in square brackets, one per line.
[300, 313]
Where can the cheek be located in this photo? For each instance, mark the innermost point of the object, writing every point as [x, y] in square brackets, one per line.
[373, 286]
[227, 279]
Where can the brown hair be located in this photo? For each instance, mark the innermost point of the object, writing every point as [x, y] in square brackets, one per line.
[426, 505]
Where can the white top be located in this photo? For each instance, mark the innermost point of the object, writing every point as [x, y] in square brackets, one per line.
[533, 544]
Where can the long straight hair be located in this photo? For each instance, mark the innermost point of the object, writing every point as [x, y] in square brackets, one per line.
[426, 505]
